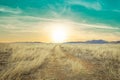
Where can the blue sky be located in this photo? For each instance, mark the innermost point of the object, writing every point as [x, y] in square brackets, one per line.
[94, 17]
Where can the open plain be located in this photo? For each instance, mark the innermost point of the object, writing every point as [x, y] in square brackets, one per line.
[39, 61]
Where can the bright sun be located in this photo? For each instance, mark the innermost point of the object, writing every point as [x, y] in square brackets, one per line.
[59, 33]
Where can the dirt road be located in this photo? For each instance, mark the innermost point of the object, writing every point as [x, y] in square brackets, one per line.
[57, 65]
[61, 65]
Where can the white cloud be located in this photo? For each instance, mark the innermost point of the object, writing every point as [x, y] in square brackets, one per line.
[116, 11]
[100, 26]
[90, 5]
[7, 9]
[21, 24]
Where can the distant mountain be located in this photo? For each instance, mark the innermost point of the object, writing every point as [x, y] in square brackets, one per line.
[90, 42]
[77, 42]
[97, 41]
[115, 42]
[28, 42]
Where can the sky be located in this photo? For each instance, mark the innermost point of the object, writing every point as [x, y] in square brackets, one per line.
[79, 20]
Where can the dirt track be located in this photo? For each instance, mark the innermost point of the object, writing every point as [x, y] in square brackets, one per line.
[58, 65]
[63, 66]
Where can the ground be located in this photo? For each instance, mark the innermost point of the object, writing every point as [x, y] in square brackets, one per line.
[34, 61]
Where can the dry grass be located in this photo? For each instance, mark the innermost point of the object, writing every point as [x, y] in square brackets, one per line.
[28, 61]
[105, 57]
[23, 59]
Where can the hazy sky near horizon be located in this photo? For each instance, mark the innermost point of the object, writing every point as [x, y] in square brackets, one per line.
[36, 20]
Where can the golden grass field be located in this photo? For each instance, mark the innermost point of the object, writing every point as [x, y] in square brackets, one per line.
[33, 61]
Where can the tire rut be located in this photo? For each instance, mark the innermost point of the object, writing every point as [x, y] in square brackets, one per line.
[63, 66]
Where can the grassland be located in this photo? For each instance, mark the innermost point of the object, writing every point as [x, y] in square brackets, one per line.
[33, 61]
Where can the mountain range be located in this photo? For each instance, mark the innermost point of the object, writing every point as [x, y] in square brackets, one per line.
[93, 42]
[79, 42]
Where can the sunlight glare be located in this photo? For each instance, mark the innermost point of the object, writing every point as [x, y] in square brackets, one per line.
[59, 33]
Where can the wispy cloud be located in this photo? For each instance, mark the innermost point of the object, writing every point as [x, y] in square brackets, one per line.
[22, 24]
[7, 9]
[117, 11]
[81, 25]
[90, 5]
